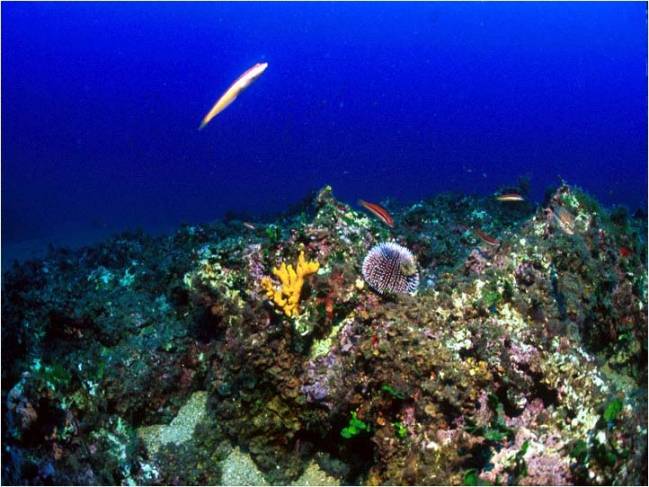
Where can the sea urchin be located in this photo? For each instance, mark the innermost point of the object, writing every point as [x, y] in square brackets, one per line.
[391, 268]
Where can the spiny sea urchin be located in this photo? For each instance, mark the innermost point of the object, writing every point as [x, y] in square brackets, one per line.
[391, 268]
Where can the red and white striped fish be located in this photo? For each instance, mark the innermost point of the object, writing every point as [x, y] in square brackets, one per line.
[380, 212]
[486, 238]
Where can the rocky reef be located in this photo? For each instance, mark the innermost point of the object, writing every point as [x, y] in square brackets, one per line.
[520, 359]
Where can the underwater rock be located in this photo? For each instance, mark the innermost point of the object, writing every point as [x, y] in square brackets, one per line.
[180, 429]
[314, 475]
[524, 363]
[239, 469]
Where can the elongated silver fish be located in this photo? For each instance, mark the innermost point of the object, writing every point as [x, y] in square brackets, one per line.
[233, 92]
[510, 197]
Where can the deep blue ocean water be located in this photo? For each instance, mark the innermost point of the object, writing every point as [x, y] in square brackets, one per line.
[101, 104]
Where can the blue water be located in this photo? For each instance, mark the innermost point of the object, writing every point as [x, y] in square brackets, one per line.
[101, 104]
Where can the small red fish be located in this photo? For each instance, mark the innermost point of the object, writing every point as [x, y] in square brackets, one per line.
[329, 307]
[378, 211]
[486, 238]
[625, 251]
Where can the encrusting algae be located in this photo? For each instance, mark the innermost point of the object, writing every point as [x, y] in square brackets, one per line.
[287, 296]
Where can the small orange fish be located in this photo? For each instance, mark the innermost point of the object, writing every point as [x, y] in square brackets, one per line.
[510, 197]
[486, 238]
[378, 211]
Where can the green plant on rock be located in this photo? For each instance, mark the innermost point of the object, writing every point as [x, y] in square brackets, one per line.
[354, 428]
[600, 449]
[273, 232]
[392, 391]
[580, 452]
[612, 410]
[497, 430]
[516, 472]
[400, 429]
[491, 297]
[520, 465]
[580, 198]
[471, 478]
[54, 376]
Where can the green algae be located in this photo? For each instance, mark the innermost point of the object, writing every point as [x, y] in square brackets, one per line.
[400, 429]
[612, 410]
[354, 428]
[392, 391]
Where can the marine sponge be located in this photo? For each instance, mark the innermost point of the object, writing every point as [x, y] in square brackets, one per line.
[287, 296]
[391, 268]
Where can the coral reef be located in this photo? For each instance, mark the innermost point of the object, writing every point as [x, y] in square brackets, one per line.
[522, 358]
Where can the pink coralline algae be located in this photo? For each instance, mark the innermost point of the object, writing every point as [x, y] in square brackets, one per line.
[529, 417]
[476, 263]
[547, 469]
[408, 418]
[483, 414]
[324, 376]
[253, 260]
[526, 274]
[522, 354]
[321, 374]
[544, 463]
[391, 268]
[545, 466]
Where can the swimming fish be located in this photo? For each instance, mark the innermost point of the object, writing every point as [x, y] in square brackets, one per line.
[249, 226]
[486, 238]
[233, 91]
[378, 211]
[510, 197]
[564, 219]
[625, 251]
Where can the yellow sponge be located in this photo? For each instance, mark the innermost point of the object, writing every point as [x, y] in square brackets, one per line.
[287, 296]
